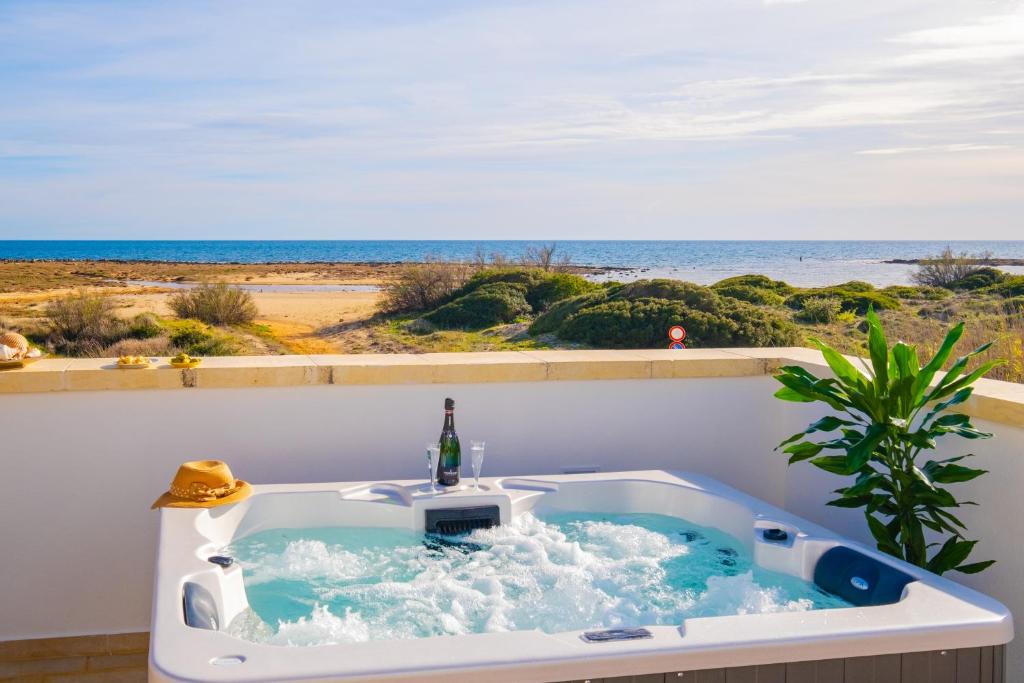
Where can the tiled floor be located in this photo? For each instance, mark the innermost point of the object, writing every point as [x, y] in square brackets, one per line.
[119, 658]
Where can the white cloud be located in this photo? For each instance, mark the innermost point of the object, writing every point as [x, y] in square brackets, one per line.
[957, 147]
[986, 39]
[455, 116]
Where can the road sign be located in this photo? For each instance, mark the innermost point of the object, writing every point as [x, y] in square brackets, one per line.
[676, 333]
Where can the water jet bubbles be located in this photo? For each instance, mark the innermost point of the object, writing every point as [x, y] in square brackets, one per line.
[560, 572]
[691, 536]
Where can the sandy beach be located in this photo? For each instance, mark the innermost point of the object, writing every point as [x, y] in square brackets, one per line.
[301, 321]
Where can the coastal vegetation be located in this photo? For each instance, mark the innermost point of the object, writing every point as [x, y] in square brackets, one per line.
[214, 303]
[85, 324]
[482, 304]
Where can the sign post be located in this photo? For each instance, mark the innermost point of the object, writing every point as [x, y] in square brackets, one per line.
[676, 335]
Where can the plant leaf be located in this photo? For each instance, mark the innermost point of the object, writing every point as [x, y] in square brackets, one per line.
[787, 394]
[861, 452]
[975, 567]
[844, 370]
[924, 378]
[826, 424]
[965, 381]
[836, 464]
[886, 543]
[851, 502]
[878, 349]
[953, 552]
[951, 474]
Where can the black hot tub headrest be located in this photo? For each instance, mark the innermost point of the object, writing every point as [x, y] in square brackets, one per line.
[858, 578]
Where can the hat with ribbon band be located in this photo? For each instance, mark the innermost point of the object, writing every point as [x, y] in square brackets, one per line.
[203, 484]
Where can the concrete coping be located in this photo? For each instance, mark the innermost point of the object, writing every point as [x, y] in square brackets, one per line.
[993, 400]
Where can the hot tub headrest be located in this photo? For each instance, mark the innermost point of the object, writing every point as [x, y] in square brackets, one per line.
[858, 578]
[199, 606]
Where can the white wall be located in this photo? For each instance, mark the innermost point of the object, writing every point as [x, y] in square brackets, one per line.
[80, 469]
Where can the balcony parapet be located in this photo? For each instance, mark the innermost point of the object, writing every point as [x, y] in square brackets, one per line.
[993, 400]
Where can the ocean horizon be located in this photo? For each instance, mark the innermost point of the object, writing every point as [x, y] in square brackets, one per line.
[802, 263]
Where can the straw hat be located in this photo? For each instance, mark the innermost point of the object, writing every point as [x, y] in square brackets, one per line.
[203, 484]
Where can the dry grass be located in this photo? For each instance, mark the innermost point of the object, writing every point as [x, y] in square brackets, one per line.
[424, 286]
[86, 324]
[297, 337]
[216, 304]
[926, 327]
[33, 276]
[948, 268]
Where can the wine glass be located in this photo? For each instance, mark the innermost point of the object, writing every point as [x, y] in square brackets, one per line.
[433, 455]
[476, 450]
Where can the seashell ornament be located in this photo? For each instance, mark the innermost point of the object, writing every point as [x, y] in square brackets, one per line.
[9, 353]
[15, 341]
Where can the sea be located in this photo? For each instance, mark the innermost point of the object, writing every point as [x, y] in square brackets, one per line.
[802, 263]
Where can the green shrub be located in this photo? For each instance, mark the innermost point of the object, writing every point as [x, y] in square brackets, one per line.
[82, 317]
[846, 317]
[216, 304]
[643, 323]
[821, 309]
[688, 293]
[1014, 305]
[855, 286]
[923, 292]
[487, 305]
[759, 281]
[752, 295]
[556, 287]
[858, 302]
[542, 288]
[86, 325]
[144, 326]
[197, 339]
[423, 286]
[639, 314]
[1011, 286]
[948, 268]
[982, 277]
[552, 319]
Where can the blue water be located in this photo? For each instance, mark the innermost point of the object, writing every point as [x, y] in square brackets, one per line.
[561, 572]
[802, 263]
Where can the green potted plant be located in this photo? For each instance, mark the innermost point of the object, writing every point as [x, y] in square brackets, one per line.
[886, 421]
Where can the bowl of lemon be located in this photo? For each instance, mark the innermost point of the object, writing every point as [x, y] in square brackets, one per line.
[183, 360]
[133, 362]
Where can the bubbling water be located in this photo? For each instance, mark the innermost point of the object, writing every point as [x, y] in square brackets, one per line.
[562, 572]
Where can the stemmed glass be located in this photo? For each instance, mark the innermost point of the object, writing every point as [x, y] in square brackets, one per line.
[476, 450]
[433, 455]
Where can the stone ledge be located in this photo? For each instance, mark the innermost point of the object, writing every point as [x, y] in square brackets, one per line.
[993, 400]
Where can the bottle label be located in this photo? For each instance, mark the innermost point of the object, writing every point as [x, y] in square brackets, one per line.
[449, 476]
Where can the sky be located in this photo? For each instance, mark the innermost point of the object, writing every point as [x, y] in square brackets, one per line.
[569, 119]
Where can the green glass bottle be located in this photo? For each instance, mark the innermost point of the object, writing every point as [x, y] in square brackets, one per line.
[450, 460]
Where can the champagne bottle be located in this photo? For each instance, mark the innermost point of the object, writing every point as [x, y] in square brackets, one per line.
[450, 460]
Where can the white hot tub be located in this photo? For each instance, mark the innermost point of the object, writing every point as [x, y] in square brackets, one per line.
[899, 618]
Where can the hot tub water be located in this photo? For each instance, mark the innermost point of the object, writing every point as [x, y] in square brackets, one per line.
[552, 572]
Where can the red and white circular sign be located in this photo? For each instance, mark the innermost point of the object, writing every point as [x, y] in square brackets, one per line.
[676, 333]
